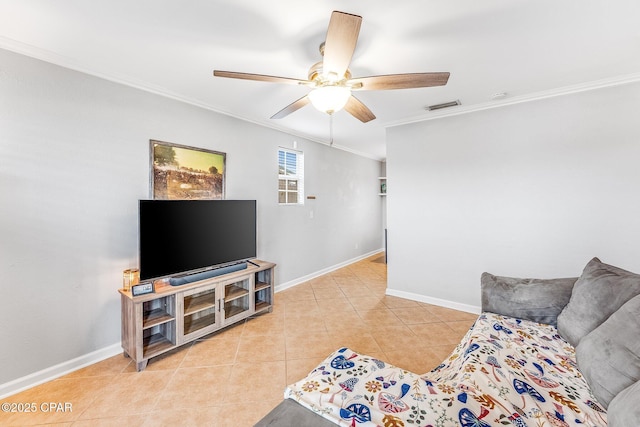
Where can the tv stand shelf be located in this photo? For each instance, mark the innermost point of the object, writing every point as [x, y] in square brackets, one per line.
[261, 285]
[155, 323]
[156, 344]
[155, 317]
[235, 292]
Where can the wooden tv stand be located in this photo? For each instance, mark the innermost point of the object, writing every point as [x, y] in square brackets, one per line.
[155, 323]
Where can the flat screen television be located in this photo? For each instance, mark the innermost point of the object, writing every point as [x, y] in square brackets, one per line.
[180, 237]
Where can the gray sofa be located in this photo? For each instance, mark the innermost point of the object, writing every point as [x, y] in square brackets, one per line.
[599, 314]
[594, 317]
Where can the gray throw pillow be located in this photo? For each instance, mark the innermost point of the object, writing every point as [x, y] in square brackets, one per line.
[539, 300]
[609, 356]
[599, 292]
[624, 410]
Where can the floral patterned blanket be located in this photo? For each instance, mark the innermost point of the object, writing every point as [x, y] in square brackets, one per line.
[505, 372]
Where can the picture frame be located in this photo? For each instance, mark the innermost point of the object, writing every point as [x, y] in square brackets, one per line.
[180, 172]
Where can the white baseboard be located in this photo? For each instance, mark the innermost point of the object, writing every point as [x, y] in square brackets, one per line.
[53, 372]
[299, 280]
[435, 301]
[402, 294]
[64, 368]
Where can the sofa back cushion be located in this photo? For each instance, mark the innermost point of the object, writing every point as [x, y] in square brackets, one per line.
[599, 292]
[624, 410]
[538, 300]
[609, 356]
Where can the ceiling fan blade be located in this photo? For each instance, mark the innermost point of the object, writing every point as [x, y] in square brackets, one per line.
[342, 36]
[399, 81]
[294, 106]
[358, 110]
[260, 77]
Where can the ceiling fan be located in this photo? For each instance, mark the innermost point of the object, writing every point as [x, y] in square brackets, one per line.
[330, 79]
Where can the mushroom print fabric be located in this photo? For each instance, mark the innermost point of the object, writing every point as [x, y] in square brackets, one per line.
[505, 372]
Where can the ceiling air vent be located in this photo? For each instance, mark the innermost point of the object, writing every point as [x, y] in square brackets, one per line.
[445, 105]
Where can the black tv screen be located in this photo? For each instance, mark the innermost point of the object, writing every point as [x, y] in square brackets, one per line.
[184, 236]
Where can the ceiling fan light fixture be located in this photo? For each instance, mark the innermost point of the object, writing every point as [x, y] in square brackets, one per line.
[329, 99]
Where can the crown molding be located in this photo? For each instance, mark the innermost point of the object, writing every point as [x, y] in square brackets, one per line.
[53, 58]
[566, 90]
[65, 62]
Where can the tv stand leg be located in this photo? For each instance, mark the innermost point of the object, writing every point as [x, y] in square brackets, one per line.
[141, 365]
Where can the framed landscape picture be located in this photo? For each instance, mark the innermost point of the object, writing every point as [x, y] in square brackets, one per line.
[179, 172]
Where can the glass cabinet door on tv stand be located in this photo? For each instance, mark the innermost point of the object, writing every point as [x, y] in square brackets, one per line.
[199, 312]
[236, 298]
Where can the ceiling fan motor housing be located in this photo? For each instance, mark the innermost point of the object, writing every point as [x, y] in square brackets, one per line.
[316, 75]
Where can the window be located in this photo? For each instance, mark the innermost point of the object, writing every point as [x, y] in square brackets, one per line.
[290, 177]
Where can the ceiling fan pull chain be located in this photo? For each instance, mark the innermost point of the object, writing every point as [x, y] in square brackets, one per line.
[330, 130]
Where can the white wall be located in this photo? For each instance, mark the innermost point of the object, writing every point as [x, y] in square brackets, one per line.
[74, 160]
[529, 190]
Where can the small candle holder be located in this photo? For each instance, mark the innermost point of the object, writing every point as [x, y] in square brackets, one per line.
[130, 277]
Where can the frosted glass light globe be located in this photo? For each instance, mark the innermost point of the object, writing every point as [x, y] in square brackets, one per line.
[329, 99]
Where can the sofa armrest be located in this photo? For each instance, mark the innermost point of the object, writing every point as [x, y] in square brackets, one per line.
[291, 413]
[538, 300]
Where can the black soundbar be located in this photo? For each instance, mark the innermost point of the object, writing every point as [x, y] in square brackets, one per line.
[183, 280]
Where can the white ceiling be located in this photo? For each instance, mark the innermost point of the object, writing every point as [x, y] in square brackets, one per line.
[527, 49]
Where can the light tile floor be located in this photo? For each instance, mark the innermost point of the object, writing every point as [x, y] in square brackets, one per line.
[234, 377]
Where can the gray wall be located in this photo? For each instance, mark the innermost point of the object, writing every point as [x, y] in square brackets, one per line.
[74, 160]
[528, 190]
